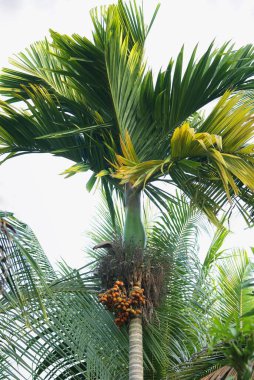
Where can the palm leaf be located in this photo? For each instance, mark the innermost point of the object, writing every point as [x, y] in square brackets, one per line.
[182, 94]
[82, 97]
[62, 344]
[229, 331]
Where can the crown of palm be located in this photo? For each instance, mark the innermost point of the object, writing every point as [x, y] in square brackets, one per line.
[97, 104]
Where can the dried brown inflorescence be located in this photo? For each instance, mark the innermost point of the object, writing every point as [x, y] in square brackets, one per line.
[131, 266]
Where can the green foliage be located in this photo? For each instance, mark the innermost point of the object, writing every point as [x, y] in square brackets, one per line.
[74, 337]
[203, 323]
[230, 326]
[78, 99]
[97, 104]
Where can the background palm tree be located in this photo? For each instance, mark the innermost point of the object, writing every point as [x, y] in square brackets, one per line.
[97, 104]
[203, 316]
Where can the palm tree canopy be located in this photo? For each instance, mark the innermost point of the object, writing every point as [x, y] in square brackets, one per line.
[97, 104]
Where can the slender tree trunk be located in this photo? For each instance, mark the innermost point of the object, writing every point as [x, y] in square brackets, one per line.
[134, 237]
[136, 371]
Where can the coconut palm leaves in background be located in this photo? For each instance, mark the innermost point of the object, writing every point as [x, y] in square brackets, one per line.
[97, 104]
[193, 331]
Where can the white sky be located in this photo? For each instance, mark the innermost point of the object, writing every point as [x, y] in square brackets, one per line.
[59, 210]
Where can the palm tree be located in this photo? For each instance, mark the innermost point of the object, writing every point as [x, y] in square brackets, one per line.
[193, 334]
[97, 104]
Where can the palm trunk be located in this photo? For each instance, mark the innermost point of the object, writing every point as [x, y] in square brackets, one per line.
[136, 371]
[134, 237]
[134, 232]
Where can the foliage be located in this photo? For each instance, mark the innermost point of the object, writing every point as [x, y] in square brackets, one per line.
[74, 335]
[78, 338]
[230, 328]
[98, 104]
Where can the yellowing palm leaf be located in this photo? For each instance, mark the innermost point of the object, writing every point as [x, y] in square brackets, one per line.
[186, 143]
[128, 168]
[222, 141]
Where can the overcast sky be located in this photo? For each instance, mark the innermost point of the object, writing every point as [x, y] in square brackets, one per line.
[59, 210]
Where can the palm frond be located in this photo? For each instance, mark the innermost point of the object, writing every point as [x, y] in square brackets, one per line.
[84, 98]
[180, 94]
[60, 343]
[229, 332]
[23, 267]
[214, 251]
[174, 239]
[212, 154]
[232, 273]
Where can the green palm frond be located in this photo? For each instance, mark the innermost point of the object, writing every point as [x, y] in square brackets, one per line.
[183, 93]
[176, 238]
[237, 300]
[210, 156]
[215, 250]
[68, 342]
[82, 97]
[229, 331]
[74, 93]
[23, 268]
[62, 342]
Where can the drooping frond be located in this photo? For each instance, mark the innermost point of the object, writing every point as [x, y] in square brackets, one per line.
[23, 268]
[175, 237]
[230, 325]
[61, 342]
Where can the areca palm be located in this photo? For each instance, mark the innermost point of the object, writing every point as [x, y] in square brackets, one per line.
[97, 104]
